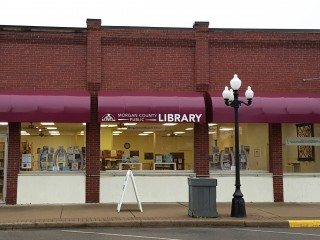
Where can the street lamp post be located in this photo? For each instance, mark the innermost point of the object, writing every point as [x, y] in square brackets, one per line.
[238, 208]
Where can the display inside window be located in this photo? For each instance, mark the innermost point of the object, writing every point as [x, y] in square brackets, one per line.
[301, 149]
[52, 147]
[153, 146]
[222, 152]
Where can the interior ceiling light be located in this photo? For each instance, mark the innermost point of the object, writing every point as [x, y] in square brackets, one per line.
[84, 124]
[148, 132]
[47, 123]
[212, 124]
[25, 134]
[169, 124]
[143, 134]
[51, 128]
[122, 128]
[117, 132]
[189, 129]
[3, 123]
[212, 132]
[130, 124]
[55, 134]
[225, 129]
[104, 125]
[179, 132]
[112, 125]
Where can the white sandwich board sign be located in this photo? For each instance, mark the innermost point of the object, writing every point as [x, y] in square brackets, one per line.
[124, 187]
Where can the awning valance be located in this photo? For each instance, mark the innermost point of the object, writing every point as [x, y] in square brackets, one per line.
[17, 106]
[270, 110]
[151, 107]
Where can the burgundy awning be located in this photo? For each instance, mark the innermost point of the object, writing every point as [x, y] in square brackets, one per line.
[151, 107]
[30, 106]
[270, 109]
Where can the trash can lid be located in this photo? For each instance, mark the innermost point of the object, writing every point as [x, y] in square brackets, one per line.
[212, 182]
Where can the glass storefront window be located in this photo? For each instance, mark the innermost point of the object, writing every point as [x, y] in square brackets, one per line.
[303, 158]
[3, 156]
[52, 147]
[146, 146]
[253, 138]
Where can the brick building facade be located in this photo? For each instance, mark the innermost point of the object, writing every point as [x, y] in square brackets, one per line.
[199, 59]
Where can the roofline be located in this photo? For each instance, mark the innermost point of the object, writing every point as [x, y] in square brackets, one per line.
[40, 28]
[82, 29]
[283, 30]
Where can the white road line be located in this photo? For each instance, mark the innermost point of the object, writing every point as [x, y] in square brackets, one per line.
[119, 235]
[265, 231]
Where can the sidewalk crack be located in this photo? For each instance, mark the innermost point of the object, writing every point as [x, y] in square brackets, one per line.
[129, 211]
[61, 212]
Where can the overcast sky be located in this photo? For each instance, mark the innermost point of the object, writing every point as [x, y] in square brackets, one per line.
[299, 14]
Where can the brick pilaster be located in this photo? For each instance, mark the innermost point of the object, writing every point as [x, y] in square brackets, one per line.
[93, 127]
[202, 78]
[94, 50]
[13, 162]
[201, 149]
[93, 155]
[202, 68]
[275, 160]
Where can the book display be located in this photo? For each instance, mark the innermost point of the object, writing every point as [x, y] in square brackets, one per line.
[178, 159]
[226, 159]
[215, 161]
[26, 156]
[60, 159]
[75, 158]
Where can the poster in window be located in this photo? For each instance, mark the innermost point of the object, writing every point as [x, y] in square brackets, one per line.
[305, 153]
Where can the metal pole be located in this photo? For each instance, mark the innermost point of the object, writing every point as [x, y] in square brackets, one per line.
[238, 208]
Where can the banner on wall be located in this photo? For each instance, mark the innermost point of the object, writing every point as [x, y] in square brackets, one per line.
[152, 117]
[303, 141]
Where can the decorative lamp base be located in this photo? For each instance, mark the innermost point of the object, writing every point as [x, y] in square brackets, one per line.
[238, 208]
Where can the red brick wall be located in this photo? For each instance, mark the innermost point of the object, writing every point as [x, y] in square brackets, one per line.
[144, 59]
[148, 67]
[275, 160]
[13, 162]
[269, 62]
[37, 61]
[201, 150]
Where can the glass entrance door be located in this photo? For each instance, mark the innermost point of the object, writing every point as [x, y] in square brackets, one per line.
[3, 163]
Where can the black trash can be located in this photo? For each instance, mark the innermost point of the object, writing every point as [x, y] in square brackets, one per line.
[202, 197]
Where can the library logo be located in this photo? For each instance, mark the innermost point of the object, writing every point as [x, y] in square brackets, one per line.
[108, 118]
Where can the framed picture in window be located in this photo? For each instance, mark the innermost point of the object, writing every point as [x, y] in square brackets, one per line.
[148, 155]
[305, 153]
[159, 158]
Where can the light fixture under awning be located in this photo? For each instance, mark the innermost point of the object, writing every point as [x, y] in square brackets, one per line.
[31, 106]
[271, 109]
[151, 107]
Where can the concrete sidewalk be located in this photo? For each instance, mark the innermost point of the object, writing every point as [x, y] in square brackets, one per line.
[156, 215]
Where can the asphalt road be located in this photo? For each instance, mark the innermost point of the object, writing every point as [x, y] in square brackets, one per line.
[162, 234]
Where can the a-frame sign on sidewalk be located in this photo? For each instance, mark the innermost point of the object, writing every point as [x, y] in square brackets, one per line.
[124, 187]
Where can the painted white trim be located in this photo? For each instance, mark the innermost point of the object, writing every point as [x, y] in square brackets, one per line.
[301, 187]
[256, 187]
[51, 189]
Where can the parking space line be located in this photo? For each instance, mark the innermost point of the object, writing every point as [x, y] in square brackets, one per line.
[119, 235]
[266, 231]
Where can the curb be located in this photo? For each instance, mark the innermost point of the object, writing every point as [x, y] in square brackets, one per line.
[146, 223]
